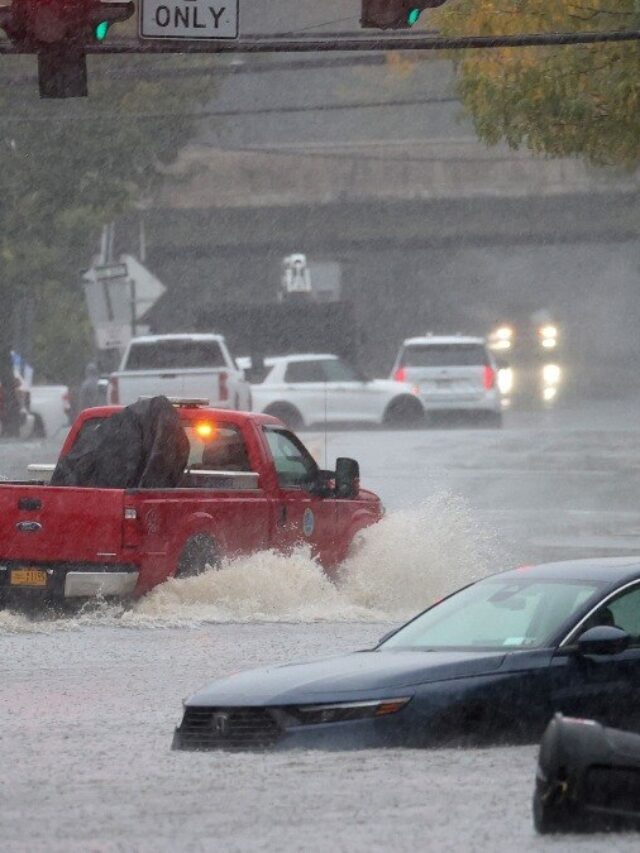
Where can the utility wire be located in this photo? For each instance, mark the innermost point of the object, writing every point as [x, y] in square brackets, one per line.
[233, 113]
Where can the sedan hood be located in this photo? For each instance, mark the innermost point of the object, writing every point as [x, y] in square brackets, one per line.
[359, 675]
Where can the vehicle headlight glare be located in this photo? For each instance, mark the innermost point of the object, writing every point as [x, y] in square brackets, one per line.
[505, 380]
[504, 333]
[501, 338]
[551, 374]
[500, 345]
[549, 331]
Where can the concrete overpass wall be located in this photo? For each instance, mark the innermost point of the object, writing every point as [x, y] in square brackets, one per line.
[454, 265]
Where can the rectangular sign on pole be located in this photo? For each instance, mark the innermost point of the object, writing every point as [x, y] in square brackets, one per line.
[109, 272]
[189, 19]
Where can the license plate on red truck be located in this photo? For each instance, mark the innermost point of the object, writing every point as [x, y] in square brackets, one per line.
[28, 577]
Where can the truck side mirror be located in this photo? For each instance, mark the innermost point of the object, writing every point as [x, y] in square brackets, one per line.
[347, 478]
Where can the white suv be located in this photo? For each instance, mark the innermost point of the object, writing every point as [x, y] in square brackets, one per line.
[314, 389]
[185, 365]
[453, 373]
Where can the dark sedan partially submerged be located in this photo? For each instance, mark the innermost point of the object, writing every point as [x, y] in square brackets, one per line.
[494, 660]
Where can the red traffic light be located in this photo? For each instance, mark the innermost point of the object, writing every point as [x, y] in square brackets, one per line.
[394, 14]
[33, 23]
[58, 32]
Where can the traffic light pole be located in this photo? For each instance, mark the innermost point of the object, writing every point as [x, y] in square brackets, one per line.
[346, 42]
[62, 73]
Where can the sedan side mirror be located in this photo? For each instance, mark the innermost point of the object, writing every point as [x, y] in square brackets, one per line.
[347, 478]
[603, 640]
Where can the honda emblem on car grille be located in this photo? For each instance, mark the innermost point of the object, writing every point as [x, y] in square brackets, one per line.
[220, 724]
[29, 526]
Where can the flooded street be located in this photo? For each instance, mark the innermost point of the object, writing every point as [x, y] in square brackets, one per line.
[90, 700]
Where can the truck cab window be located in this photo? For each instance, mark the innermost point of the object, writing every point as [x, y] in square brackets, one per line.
[175, 355]
[294, 464]
[216, 447]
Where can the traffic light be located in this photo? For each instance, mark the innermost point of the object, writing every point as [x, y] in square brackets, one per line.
[394, 14]
[58, 31]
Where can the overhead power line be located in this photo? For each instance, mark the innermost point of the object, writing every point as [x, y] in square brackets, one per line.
[234, 113]
[336, 42]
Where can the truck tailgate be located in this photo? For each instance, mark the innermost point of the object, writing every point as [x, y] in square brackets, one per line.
[51, 524]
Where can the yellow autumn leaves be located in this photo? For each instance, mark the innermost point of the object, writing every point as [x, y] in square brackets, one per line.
[575, 100]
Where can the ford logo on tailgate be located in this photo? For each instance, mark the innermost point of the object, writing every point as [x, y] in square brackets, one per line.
[29, 526]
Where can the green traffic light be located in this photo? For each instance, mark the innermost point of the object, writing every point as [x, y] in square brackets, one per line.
[101, 30]
[413, 16]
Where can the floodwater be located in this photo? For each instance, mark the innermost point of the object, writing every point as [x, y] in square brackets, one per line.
[89, 701]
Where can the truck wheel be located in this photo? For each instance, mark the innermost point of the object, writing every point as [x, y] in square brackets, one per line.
[199, 552]
[403, 412]
[287, 413]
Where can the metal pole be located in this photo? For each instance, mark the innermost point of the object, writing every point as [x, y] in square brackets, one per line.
[355, 42]
[134, 311]
[345, 42]
[142, 241]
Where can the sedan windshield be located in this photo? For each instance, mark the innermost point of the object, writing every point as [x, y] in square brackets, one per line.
[497, 614]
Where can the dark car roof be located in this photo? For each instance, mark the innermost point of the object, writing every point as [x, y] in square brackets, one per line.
[607, 569]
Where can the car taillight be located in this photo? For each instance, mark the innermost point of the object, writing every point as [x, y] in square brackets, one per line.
[400, 375]
[489, 377]
[114, 391]
[223, 388]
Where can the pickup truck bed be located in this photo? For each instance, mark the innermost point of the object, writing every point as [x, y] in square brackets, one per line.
[70, 542]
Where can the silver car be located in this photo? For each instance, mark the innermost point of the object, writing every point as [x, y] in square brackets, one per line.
[454, 374]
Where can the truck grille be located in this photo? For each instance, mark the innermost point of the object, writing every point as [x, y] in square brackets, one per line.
[228, 728]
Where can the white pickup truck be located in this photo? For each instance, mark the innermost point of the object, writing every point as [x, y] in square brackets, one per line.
[197, 366]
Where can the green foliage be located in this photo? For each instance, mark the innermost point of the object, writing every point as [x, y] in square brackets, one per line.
[563, 101]
[70, 166]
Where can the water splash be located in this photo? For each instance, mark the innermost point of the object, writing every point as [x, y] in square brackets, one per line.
[409, 559]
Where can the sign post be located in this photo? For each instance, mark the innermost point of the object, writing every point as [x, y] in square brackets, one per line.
[107, 290]
[117, 295]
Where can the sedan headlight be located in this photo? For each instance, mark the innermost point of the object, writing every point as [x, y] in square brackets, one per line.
[338, 712]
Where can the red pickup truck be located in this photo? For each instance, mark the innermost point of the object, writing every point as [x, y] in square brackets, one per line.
[250, 484]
